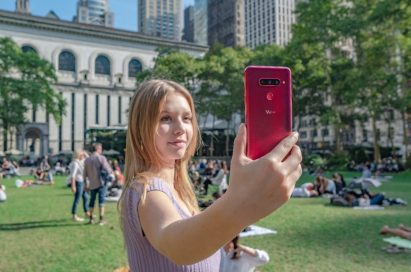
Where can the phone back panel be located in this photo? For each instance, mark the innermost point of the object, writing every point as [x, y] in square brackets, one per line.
[268, 109]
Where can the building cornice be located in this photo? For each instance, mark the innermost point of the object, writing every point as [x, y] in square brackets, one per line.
[53, 25]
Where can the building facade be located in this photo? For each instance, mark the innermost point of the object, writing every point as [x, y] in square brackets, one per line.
[95, 12]
[161, 18]
[268, 22]
[96, 69]
[226, 22]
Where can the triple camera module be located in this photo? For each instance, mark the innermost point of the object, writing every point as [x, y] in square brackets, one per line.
[270, 81]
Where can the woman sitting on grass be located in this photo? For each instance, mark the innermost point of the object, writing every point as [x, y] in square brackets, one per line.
[239, 258]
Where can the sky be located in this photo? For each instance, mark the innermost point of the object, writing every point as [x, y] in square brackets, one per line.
[125, 11]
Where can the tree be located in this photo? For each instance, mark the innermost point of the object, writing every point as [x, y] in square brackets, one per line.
[25, 81]
[323, 69]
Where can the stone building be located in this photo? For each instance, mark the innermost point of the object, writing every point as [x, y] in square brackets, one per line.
[96, 68]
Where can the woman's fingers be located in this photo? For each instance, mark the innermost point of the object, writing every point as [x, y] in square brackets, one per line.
[294, 158]
[240, 144]
[283, 148]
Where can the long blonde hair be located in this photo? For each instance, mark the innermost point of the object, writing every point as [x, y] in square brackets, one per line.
[141, 153]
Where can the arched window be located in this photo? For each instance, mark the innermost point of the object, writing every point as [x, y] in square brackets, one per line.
[102, 65]
[134, 67]
[27, 49]
[67, 61]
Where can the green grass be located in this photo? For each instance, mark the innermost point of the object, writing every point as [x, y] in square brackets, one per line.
[36, 234]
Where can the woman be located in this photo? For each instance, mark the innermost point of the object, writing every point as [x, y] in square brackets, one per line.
[239, 258]
[161, 222]
[77, 184]
[219, 177]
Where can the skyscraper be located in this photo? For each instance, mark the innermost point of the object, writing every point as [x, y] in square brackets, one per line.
[268, 22]
[226, 22]
[23, 6]
[200, 22]
[160, 18]
[95, 12]
[188, 31]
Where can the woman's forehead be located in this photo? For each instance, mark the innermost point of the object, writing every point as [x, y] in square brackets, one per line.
[175, 102]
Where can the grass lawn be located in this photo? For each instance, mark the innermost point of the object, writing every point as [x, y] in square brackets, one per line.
[37, 234]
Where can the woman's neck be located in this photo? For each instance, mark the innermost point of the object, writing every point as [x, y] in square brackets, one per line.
[167, 173]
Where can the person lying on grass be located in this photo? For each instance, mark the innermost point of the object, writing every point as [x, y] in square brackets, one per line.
[402, 231]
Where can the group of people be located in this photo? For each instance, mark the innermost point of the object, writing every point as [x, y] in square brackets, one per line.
[343, 194]
[92, 174]
[389, 164]
[206, 172]
[321, 186]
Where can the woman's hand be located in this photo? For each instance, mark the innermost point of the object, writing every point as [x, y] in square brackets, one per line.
[259, 187]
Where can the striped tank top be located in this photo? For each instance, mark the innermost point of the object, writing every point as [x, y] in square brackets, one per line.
[141, 255]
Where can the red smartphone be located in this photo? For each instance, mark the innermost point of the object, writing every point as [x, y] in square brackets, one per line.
[268, 107]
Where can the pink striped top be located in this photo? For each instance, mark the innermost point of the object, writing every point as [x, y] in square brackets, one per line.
[141, 255]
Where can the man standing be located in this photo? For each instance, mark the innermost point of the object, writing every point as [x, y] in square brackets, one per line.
[93, 169]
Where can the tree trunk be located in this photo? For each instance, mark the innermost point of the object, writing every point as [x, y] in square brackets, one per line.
[405, 132]
[377, 152]
[227, 138]
[5, 137]
[337, 132]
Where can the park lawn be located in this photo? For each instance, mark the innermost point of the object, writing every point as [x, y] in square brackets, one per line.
[36, 233]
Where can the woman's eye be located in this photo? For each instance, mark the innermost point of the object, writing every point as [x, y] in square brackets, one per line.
[188, 118]
[165, 118]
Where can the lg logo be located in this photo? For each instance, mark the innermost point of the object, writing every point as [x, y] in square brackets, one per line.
[268, 112]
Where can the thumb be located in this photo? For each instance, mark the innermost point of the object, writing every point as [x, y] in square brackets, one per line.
[240, 143]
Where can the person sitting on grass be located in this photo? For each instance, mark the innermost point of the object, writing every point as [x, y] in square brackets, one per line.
[402, 231]
[339, 182]
[239, 258]
[325, 186]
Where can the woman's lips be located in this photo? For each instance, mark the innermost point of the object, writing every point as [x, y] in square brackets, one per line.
[178, 143]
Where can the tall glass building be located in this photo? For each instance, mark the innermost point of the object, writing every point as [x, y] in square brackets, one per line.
[95, 12]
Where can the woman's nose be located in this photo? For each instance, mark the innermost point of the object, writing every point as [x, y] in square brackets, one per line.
[178, 127]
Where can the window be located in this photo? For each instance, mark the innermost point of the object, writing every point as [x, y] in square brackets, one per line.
[28, 49]
[134, 67]
[102, 65]
[67, 61]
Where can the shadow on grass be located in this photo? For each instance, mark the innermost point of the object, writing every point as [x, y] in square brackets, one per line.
[38, 224]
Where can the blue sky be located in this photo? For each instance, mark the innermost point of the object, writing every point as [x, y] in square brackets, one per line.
[125, 10]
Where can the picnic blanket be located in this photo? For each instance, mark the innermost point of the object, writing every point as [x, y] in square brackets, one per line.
[371, 207]
[400, 242]
[256, 230]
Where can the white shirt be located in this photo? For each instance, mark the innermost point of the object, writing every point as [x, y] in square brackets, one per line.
[77, 170]
[246, 262]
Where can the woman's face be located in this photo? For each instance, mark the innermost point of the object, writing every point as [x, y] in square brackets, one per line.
[175, 128]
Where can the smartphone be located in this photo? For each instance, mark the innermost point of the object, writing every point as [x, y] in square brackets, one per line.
[268, 107]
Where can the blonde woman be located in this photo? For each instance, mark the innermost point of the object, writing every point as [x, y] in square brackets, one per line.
[78, 183]
[162, 225]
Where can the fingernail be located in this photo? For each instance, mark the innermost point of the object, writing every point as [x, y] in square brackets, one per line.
[296, 135]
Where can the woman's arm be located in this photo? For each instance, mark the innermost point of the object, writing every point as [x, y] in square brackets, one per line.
[257, 188]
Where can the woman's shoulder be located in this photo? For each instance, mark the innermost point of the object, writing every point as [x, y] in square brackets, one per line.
[150, 184]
